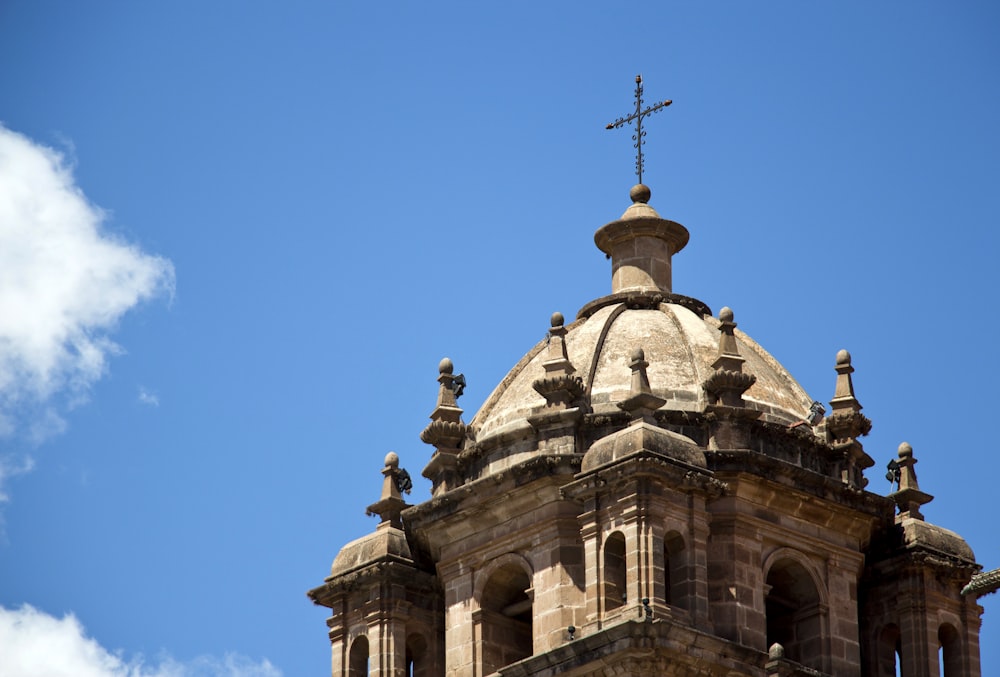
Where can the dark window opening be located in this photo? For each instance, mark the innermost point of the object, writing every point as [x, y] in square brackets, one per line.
[507, 619]
[358, 661]
[794, 614]
[675, 571]
[950, 653]
[614, 572]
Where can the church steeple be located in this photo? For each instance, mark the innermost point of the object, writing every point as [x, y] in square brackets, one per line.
[644, 493]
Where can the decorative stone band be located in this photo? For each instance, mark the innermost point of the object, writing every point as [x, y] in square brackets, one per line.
[644, 300]
[559, 388]
[444, 434]
[724, 381]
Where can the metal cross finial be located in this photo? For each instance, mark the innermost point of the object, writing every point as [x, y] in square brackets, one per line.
[638, 115]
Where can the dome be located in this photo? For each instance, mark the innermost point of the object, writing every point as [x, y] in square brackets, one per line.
[640, 437]
[387, 544]
[681, 341]
[680, 337]
[918, 534]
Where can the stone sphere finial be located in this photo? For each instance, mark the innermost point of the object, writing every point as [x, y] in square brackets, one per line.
[392, 460]
[776, 651]
[637, 355]
[843, 358]
[640, 193]
[905, 450]
[446, 366]
[726, 314]
[557, 319]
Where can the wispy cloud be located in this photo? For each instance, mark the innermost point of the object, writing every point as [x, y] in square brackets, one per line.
[148, 397]
[11, 466]
[34, 643]
[64, 284]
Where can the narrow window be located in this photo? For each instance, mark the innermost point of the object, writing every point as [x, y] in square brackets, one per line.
[614, 572]
[888, 651]
[675, 570]
[950, 653]
[416, 656]
[358, 661]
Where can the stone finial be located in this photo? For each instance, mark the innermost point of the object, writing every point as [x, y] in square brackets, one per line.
[559, 387]
[729, 352]
[640, 193]
[446, 432]
[727, 385]
[640, 245]
[557, 360]
[844, 390]
[908, 497]
[395, 481]
[641, 402]
[446, 377]
[846, 424]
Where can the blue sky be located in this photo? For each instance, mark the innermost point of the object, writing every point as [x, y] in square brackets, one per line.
[254, 229]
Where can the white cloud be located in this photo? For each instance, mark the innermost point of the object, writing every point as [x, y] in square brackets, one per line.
[35, 644]
[148, 397]
[64, 284]
[11, 466]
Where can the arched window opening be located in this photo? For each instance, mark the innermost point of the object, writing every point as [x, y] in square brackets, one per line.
[675, 570]
[506, 607]
[614, 572]
[794, 613]
[950, 653]
[416, 656]
[358, 661]
[889, 651]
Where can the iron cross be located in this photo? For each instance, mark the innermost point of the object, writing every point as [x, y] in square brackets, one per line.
[638, 115]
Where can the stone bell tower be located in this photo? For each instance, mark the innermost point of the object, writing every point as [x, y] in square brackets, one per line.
[649, 492]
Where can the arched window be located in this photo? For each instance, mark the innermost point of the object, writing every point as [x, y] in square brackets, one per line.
[416, 656]
[794, 613]
[614, 571]
[506, 619]
[950, 653]
[358, 661]
[889, 651]
[675, 573]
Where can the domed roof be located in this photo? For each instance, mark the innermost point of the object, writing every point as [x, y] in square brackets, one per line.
[642, 436]
[385, 544]
[681, 345]
[678, 334]
[926, 536]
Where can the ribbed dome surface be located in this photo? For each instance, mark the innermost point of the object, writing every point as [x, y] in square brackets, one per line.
[680, 346]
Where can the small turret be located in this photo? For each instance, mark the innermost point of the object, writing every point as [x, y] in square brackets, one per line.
[640, 245]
